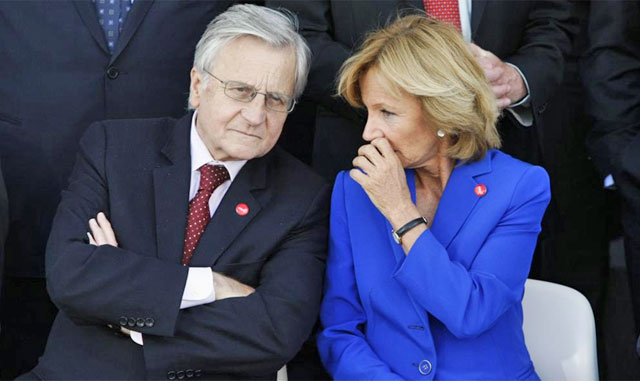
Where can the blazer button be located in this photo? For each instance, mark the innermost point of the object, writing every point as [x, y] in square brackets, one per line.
[140, 322]
[171, 375]
[149, 322]
[542, 108]
[113, 72]
[198, 372]
[425, 367]
[123, 320]
[189, 373]
[180, 374]
[131, 322]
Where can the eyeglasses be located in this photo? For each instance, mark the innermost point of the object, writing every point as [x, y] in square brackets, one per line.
[243, 92]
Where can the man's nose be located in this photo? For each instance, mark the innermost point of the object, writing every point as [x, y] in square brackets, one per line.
[255, 112]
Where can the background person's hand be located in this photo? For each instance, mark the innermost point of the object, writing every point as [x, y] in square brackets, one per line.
[507, 84]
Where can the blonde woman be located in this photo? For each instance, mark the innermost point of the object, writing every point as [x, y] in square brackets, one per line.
[433, 231]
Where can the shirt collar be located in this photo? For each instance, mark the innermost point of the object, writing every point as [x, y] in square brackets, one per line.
[200, 154]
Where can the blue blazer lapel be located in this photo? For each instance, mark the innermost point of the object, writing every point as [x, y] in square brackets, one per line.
[171, 189]
[226, 225]
[138, 11]
[87, 12]
[458, 200]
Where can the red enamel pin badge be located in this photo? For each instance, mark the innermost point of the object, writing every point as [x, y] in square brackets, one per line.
[242, 209]
[480, 190]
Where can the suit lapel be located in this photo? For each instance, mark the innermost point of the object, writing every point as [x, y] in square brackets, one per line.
[87, 12]
[171, 189]
[477, 9]
[458, 200]
[138, 11]
[226, 225]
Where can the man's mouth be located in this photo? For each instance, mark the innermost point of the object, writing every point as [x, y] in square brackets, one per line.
[247, 134]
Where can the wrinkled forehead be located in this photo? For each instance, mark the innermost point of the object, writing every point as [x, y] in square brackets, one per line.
[257, 63]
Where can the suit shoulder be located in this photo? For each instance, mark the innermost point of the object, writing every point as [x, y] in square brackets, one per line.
[511, 173]
[503, 163]
[291, 170]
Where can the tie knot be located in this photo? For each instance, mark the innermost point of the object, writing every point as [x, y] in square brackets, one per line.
[211, 176]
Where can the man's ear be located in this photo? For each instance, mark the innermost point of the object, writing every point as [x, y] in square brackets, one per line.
[194, 88]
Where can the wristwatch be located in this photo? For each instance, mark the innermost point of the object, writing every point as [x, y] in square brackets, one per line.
[397, 234]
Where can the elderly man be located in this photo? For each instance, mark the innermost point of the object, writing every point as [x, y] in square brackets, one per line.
[192, 248]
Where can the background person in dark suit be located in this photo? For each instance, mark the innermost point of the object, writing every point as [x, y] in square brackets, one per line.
[4, 223]
[532, 35]
[612, 77]
[231, 298]
[63, 67]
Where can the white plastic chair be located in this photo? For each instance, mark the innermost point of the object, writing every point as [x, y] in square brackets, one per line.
[559, 331]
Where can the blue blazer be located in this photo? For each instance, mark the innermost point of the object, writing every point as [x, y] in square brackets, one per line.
[451, 308]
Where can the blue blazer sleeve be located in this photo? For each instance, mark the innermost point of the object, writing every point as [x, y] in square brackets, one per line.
[343, 348]
[469, 301]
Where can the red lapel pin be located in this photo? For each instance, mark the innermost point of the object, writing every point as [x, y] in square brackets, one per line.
[480, 190]
[242, 209]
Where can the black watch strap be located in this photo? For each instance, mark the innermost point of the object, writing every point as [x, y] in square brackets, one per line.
[397, 234]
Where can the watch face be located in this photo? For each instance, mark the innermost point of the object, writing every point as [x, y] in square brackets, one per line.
[396, 237]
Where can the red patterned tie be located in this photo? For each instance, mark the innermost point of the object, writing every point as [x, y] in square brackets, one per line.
[210, 178]
[444, 10]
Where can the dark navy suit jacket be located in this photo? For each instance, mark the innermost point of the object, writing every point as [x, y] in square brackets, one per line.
[533, 35]
[137, 172]
[57, 77]
[451, 308]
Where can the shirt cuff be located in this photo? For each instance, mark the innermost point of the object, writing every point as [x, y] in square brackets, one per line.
[199, 288]
[609, 183]
[521, 110]
[136, 337]
[526, 100]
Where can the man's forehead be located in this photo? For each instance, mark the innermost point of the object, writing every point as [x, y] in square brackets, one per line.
[255, 62]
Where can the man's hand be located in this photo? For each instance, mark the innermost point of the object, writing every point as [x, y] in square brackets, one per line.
[507, 84]
[229, 288]
[101, 231]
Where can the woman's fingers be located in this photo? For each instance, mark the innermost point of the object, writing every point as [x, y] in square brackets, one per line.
[371, 153]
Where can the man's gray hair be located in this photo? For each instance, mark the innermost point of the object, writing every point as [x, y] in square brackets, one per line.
[277, 28]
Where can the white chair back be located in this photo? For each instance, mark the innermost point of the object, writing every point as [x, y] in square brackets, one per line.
[559, 331]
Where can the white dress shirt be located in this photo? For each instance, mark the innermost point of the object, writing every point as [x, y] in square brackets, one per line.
[199, 286]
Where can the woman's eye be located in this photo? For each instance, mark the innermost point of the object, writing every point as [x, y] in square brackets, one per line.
[386, 113]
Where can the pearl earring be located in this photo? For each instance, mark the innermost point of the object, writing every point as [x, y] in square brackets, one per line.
[440, 133]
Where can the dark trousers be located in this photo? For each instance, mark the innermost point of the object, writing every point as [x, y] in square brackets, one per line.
[27, 315]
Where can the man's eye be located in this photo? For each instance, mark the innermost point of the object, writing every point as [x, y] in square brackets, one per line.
[241, 91]
[276, 98]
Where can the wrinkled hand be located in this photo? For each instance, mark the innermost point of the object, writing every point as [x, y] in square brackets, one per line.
[507, 84]
[101, 231]
[380, 173]
[230, 288]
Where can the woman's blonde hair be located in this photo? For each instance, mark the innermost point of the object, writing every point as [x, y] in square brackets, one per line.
[430, 60]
